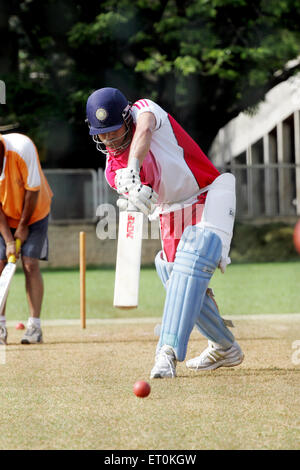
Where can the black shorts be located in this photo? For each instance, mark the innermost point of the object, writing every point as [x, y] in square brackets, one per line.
[36, 245]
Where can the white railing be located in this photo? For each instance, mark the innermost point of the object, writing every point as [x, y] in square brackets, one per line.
[262, 190]
[263, 150]
[75, 195]
[265, 191]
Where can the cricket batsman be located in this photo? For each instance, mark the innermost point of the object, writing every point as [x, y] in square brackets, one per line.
[25, 202]
[196, 206]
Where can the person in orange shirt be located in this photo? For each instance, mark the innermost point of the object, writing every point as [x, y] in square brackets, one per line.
[25, 202]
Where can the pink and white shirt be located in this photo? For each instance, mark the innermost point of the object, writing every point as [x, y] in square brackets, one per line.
[175, 166]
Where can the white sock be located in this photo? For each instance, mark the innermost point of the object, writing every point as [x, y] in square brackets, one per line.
[2, 320]
[34, 322]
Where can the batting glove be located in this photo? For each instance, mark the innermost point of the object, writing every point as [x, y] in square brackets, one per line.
[126, 179]
[124, 205]
[143, 197]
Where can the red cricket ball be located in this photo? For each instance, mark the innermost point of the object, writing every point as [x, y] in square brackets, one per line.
[141, 389]
[297, 236]
[20, 326]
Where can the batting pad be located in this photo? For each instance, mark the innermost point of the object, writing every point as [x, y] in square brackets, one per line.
[163, 268]
[208, 320]
[211, 324]
[219, 211]
[197, 257]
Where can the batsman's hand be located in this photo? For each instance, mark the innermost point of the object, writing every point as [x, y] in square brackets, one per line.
[143, 197]
[126, 179]
[122, 204]
[13, 248]
[22, 232]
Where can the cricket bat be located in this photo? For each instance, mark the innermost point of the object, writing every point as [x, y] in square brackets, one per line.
[128, 260]
[7, 275]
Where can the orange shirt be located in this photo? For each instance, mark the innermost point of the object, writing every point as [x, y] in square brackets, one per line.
[22, 171]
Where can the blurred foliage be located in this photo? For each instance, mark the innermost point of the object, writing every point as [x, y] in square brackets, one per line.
[204, 61]
[263, 243]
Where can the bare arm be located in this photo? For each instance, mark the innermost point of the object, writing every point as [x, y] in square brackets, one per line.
[4, 227]
[127, 180]
[142, 138]
[7, 235]
[30, 202]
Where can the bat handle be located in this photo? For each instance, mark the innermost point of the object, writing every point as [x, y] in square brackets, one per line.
[18, 245]
[134, 164]
[12, 258]
[131, 207]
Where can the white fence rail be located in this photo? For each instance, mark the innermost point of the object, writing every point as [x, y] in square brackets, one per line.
[263, 190]
[77, 194]
[266, 191]
[263, 151]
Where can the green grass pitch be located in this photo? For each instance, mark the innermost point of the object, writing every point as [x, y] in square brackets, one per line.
[244, 289]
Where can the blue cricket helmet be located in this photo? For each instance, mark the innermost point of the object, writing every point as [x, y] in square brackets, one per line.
[106, 109]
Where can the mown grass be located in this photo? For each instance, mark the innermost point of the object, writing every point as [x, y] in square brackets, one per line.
[244, 289]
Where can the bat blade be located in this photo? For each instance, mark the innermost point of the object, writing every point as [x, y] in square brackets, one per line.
[5, 281]
[128, 261]
[7, 275]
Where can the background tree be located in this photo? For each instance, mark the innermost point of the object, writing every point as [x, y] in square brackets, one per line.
[203, 60]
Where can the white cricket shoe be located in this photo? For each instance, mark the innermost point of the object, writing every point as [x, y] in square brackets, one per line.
[215, 356]
[33, 335]
[165, 363]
